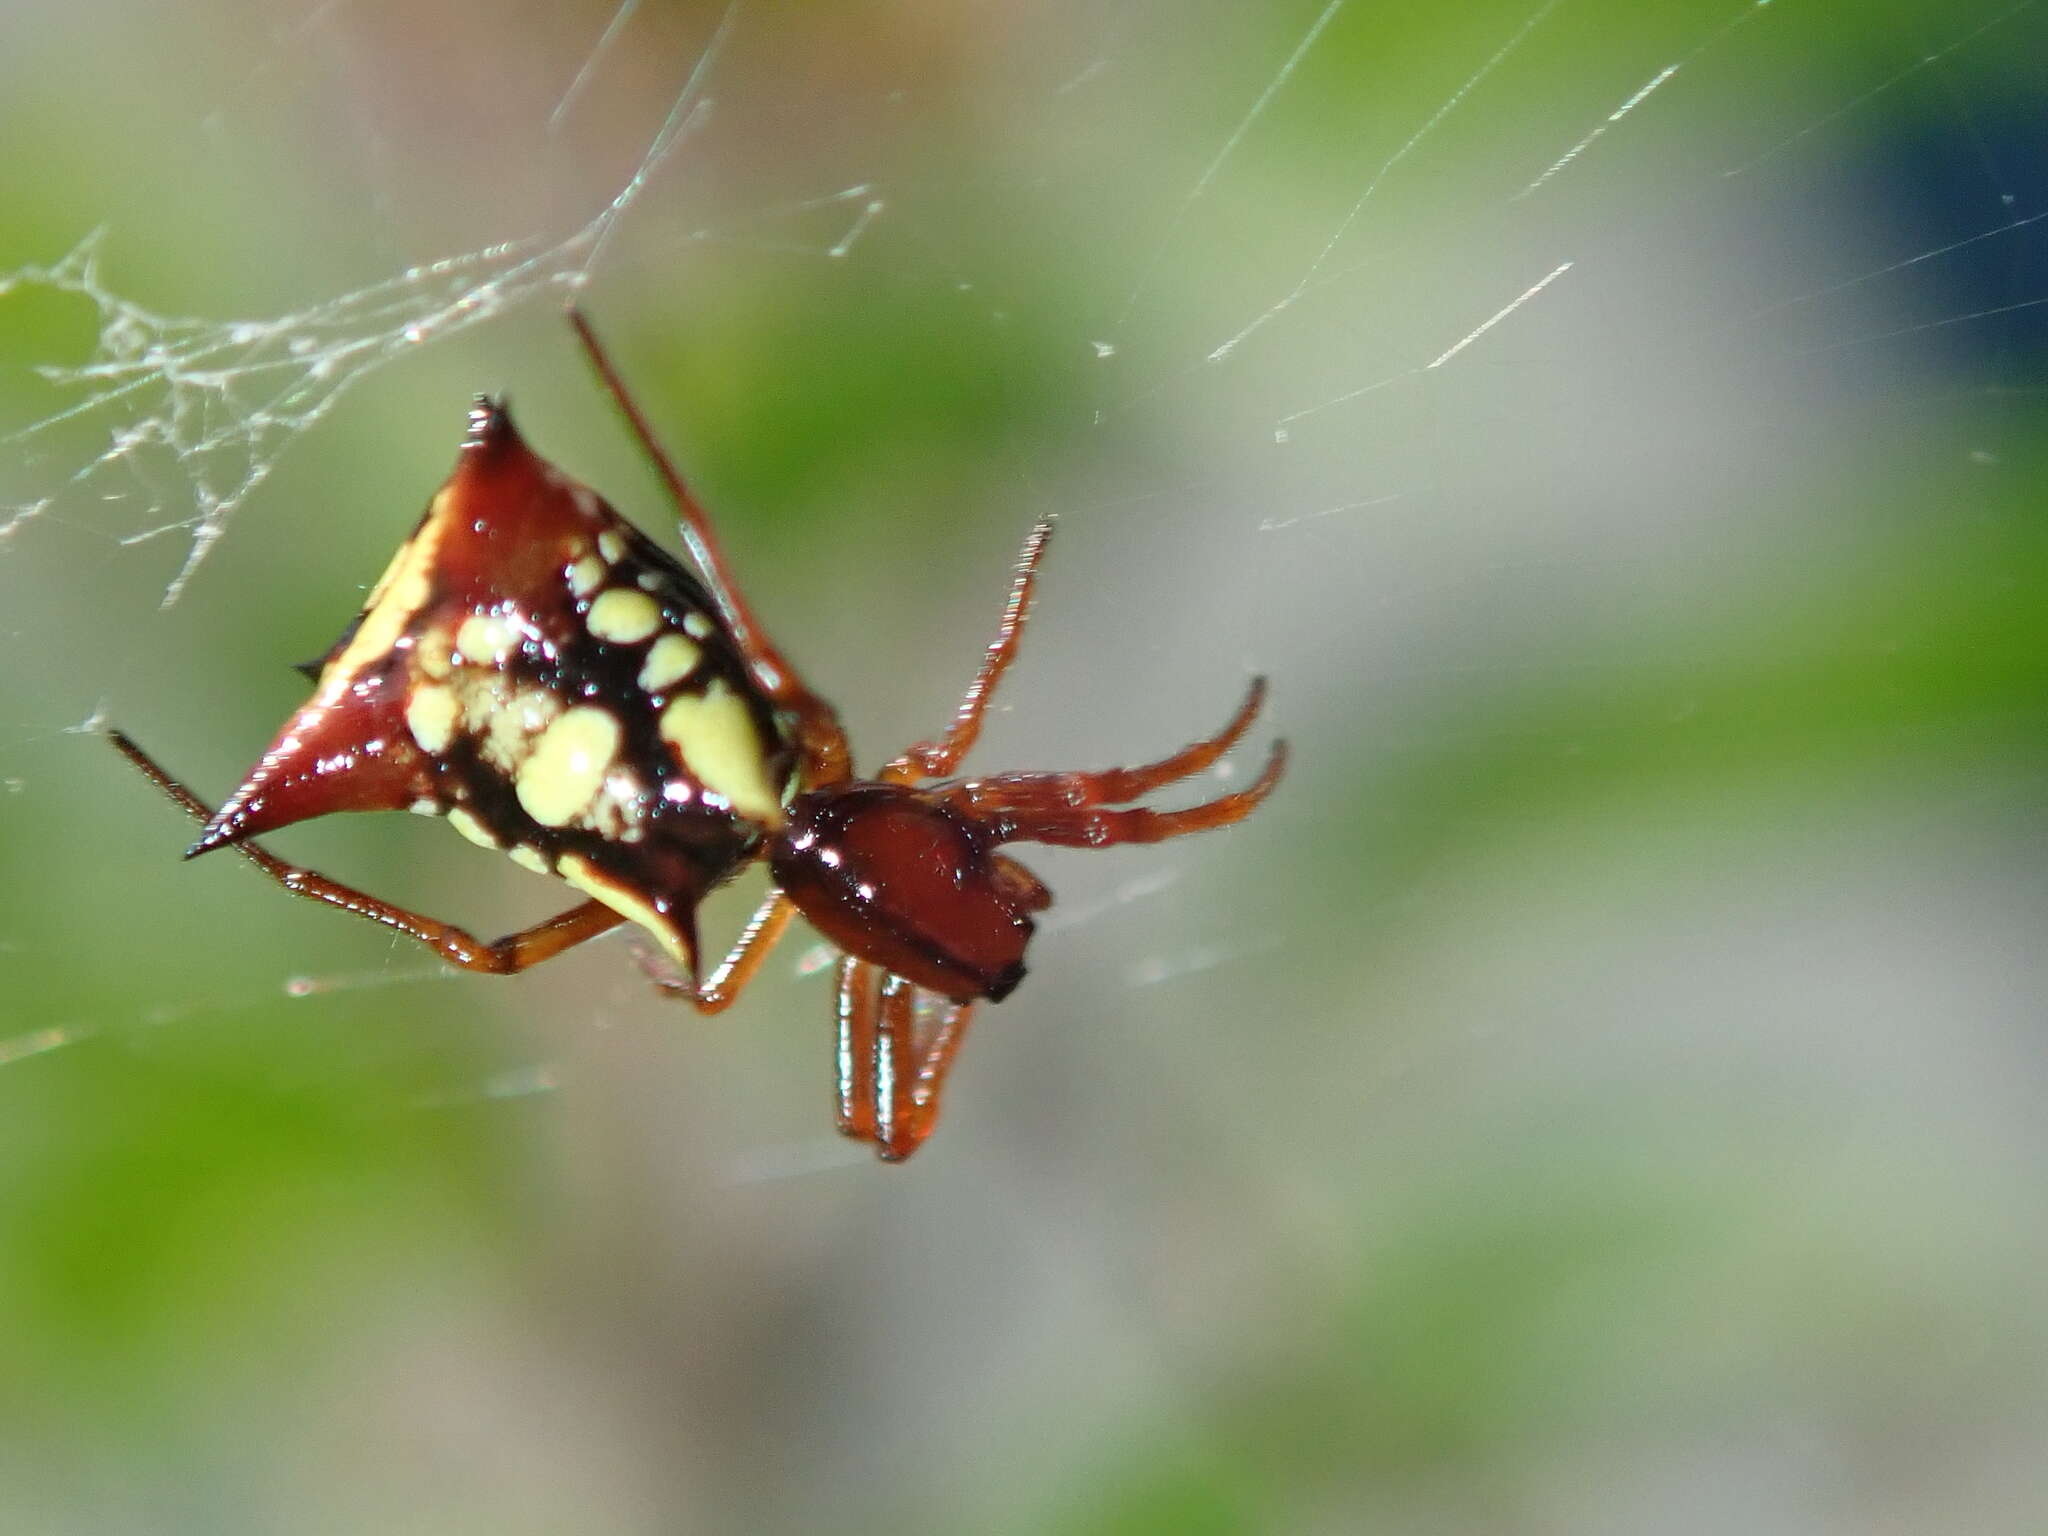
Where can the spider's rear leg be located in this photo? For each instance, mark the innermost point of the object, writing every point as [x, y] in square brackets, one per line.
[718, 993]
[513, 953]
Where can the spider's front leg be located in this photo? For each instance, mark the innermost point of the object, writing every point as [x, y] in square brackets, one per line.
[892, 1063]
[935, 759]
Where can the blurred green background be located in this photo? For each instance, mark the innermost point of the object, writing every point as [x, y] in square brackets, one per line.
[1602, 1091]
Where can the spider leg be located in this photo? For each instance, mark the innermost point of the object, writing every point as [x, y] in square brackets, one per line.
[935, 759]
[856, 1061]
[911, 1073]
[820, 741]
[1108, 786]
[514, 952]
[725, 984]
[1044, 811]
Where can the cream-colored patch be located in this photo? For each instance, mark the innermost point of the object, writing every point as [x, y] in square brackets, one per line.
[586, 502]
[669, 660]
[529, 857]
[587, 878]
[399, 595]
[567, 765]
[618, 808]
[624, 616]
[433, 654]
[430, 715]
[697, 625]
[425, 807]
[463, 822]
[715, 734]
[488, 639]
[508, 721]
[586, 575]
[611, 546]
[649, 581]
[485, 694]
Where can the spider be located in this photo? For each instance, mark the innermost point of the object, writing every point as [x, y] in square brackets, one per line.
[537, 670]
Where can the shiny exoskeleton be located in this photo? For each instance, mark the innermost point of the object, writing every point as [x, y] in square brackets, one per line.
[538, 671]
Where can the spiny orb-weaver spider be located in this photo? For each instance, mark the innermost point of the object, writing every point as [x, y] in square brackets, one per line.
[537, 670]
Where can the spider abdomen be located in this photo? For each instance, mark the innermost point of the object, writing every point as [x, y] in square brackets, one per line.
[549, 679]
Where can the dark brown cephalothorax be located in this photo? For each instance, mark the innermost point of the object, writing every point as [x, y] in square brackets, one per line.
[560, 688]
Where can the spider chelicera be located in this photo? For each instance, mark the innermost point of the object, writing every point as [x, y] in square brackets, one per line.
[537, 670]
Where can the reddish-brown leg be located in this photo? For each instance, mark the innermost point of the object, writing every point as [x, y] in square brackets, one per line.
[821, 743]
[919, 1117]
[1038, 814]
[858, 1006]
[725, 984]
[910, 1073]
[514, 952]
[893, 1050]
[1035, 792]
[935, 759]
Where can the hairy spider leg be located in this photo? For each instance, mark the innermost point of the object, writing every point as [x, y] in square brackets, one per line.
[914, 1115]
[855, 1060]
[890, 1079]
[891, 1073]
[879, 1100]
[893, 1044]
[935, 759]
[500, 957]
[1066, 809]
[512, 953]
[1105, 786]
[909, 1072]
[722, 989]
[825, 757]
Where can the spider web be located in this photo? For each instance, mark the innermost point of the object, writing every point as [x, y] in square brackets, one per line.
[1481, 381]
[210, 406]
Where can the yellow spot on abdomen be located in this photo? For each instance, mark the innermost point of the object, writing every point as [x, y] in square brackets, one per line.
[430, 715]
[568, 763]
[624, 616]
[487, 639]
[434, 655]
[669, 660]
[400, 593]
[587, 878]
[463, 822]
[586, 575]
[714, 731]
